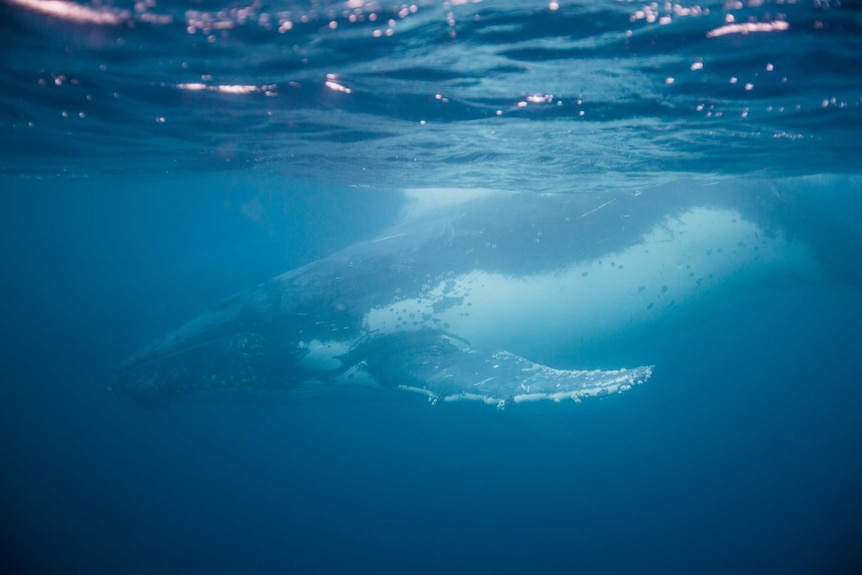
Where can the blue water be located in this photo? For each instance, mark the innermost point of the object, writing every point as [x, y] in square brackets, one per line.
[139, 189]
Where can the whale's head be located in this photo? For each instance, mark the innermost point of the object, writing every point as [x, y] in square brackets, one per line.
[240, 343]
[165, 370]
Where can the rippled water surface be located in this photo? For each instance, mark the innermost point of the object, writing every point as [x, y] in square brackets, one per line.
[531, 95]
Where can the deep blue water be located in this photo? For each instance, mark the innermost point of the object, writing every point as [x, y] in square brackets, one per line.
[129, 204]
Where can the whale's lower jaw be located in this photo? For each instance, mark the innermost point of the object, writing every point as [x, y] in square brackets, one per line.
[241, 360]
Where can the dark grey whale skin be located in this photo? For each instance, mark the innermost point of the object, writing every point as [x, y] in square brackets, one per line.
[251, 340]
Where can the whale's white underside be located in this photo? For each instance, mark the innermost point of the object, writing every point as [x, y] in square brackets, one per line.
[685, 257]
[684, 260]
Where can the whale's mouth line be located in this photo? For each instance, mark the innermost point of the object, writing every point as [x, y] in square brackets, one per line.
[156, 356]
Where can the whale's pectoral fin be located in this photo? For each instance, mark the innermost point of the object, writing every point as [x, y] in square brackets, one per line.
[510, 378]
[447, 368]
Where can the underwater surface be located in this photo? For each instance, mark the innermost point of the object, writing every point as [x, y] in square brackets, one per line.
[675, 185]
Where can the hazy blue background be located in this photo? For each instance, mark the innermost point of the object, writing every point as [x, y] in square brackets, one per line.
[740, 455]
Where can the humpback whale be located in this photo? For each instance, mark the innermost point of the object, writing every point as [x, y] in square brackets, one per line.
[482, 295]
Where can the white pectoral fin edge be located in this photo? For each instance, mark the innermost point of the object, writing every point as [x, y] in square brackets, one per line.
[509, 379]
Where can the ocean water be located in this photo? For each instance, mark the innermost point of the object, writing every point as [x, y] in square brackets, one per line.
[157, 157]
